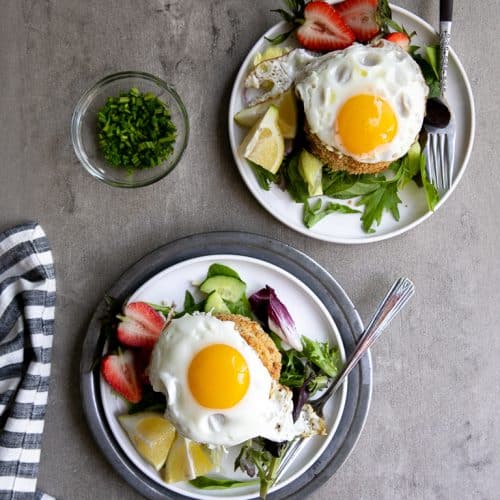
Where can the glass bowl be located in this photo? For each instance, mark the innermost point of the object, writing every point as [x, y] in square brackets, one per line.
[84, 128]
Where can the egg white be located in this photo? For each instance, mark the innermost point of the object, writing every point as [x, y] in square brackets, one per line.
[265, 410]
[385, 71]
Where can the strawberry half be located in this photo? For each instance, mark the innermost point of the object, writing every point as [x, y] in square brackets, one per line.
[399, 38]
[119, 372]
[134, 334]
[145, 315]
[323, 29]
[361, 17]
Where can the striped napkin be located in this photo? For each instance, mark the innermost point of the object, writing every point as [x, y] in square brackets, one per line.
[27, 300]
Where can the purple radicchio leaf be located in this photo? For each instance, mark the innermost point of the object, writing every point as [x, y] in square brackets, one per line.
[281, 322]
[300, 398]
[271, 312]
[259, 302]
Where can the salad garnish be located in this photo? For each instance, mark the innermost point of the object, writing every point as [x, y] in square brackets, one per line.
[308, 366]
[370, 195]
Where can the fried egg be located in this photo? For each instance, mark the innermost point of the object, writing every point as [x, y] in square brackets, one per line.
[218, 391]
[365, 101]
[368, 102]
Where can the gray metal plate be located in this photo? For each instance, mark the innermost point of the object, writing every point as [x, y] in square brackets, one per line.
[298, 264]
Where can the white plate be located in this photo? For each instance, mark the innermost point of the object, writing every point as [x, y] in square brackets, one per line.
[311, 318]
[341, 228]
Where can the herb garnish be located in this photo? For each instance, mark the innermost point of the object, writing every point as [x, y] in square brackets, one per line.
[373, 193]
[135, 130]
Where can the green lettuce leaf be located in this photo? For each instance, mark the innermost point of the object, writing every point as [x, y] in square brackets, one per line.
[213, 483]
[315, 211]
[320, 354]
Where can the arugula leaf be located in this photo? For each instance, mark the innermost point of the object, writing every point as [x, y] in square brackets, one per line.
[295, 16]
[314, 212]
[385, 197]
[213, 483]
[343, 186]
[429, 66]
[384, 14]
[431, 193]
[432, 53]
[408, 166]
[190, 305]
[221, 270]
[335, 182]
[324, 357]
[264, 177]
[151, 401]
[242, 307]
[161, 308]
[254, 458]
[296, 185]
[293, 371]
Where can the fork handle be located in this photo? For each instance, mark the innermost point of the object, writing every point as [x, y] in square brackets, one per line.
[445, 15]
[396, 298]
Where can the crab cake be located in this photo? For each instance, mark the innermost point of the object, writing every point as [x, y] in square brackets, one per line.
[335, 160]
[258, 340]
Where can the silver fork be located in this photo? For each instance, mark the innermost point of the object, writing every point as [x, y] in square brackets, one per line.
[439, 122]
[393, 302]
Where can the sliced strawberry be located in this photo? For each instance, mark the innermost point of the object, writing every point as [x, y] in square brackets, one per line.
[401, 39]
[361, 17]
[119, 372]
[145, 315]
[134, 334]
[323, 29]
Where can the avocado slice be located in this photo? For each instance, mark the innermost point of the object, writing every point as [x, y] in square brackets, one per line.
[311, 170]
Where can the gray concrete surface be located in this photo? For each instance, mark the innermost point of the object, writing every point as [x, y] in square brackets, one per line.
[433, 429]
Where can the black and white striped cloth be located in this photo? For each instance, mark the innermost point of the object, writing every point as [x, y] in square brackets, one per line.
[27, 300]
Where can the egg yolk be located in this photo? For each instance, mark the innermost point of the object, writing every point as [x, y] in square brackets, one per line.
[218, 376]
[366, 122]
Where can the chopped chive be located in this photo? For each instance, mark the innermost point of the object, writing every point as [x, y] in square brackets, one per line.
[135, 130]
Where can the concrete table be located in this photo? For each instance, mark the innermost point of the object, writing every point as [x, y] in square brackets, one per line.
[433, 428]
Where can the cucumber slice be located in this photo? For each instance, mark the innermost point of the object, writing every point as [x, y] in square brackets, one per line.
[215, 304]
[229, 288]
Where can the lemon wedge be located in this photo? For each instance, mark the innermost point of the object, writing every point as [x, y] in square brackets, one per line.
[151, 434]
[270, 53]
[287, 111]
[264, 143]
[187, 460]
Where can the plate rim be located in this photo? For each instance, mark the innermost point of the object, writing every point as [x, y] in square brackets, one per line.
[262, 248]
[164, 275]
[369, 238]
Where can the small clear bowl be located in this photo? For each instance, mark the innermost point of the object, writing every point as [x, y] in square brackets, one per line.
[84, 128]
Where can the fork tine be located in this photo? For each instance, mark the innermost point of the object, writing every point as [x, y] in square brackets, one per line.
[429, 161]
[443, 167]
[435, 160]
[450, 154]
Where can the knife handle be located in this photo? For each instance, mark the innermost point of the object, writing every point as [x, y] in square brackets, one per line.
[445, 10]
